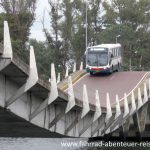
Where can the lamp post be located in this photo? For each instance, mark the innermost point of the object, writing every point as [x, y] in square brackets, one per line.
[86, 24]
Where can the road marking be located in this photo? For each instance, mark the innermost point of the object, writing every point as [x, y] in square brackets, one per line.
[75, 82]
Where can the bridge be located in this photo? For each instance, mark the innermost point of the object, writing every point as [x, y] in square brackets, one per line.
[80, 105]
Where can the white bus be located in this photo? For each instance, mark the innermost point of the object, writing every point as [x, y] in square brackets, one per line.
[104, 58]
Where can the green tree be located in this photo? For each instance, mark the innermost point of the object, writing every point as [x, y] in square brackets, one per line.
[20, 16]
[130, 20]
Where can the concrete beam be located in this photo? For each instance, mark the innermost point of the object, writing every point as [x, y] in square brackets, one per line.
[84, 112]
[81, 66]
[74, 123]
[126, 107]
[66, 75]
[74, 67]
[39, 109]
[31, 81]
[140, 103]
[145, 94]
[98, 111]
[141, 118]
[149, 88]
[108, 108]
[86, 107]
[52, 96]
[58, 78]
[118, 110]
[133, 105]
[71, 98]
[96, 115]
[7, 53]
[56, 119]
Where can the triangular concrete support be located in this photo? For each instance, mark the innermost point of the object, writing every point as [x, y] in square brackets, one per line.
[133, 105]
[140, 103]
[74, 67]
[145, 94]
[53, 94]
[67, 69]
[118, 110]
[31, 81]
[98, 111]
[71, 99]
[58, 78]
[126, 106]
[53, 90]
[86, 107]
[108, 108]
[81, 66]
[149, 88]
[7, 53]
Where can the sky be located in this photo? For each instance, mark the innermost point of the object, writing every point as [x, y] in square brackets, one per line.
[36, 29]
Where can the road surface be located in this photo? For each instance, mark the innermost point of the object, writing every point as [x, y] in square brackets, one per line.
[116, 83]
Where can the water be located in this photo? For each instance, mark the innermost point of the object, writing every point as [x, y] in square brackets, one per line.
[67, 144]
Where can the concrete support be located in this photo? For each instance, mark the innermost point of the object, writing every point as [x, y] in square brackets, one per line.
[31, 81]
[56, 119]
[108, 109]
[141, 118]
[74, 67]
[81, 66]
[133, 105]
[125, 127]
[53, 95]
[98, 111]
[71, 99]
[58, 78]
[100, 126]
[97, 114]
[86, 107]
[7, 54]
[118, 110]
[149, 88]
[53, 90]
[84, 112]
[140, 103]
[126, 107]
[74, 123]
[67, 69]
[70, 105]
[145, 94]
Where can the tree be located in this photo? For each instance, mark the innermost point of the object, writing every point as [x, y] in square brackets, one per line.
[43, 57]
[131, 17]
[20, 16]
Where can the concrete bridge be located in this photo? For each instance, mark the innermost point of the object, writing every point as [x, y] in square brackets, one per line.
[78, 106]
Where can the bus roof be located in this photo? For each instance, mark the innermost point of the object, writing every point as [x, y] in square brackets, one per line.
[105, 46]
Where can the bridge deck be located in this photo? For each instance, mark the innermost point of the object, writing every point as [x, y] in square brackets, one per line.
[117, 83]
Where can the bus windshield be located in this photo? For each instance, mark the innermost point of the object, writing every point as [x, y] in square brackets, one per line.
[97, 58]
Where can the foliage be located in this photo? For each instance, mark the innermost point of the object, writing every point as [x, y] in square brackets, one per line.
[20, 16]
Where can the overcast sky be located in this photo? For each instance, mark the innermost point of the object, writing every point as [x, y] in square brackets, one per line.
[36, 29]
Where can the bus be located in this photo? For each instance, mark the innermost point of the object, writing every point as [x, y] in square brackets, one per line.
[104, 58]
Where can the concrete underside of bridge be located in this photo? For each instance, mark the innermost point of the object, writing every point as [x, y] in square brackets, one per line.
[12, 125]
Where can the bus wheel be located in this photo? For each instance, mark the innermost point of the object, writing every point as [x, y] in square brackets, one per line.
[112, 69]
[91, 73]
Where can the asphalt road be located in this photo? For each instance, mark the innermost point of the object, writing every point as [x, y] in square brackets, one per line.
[116, 83]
